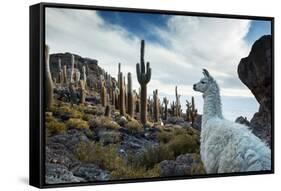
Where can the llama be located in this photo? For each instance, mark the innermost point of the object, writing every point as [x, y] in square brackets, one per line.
[227, 146]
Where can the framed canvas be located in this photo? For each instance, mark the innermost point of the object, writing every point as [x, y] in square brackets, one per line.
[123, 95]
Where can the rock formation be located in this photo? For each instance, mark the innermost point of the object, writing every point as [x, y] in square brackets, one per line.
[255, 71]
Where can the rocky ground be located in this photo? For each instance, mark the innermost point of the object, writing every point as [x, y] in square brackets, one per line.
[84, 145]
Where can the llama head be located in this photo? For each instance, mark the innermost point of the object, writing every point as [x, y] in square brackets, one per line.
[205, 83]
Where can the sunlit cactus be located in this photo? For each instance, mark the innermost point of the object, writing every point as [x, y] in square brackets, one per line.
[49, 90]
[84, 77]
[72, 69]
[144, 76]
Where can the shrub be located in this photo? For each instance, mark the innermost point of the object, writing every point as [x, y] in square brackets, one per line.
[67, 111]
[87, 117]
[53, 126]
[182, 144]
[108, 137]
[77, 123]
[164, 136]
[105, 157]
[103, 121]
[150, 157]
[134, 126]
[129, 172]
[197, 168]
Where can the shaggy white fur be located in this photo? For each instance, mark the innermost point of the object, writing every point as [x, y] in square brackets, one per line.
[227, 146]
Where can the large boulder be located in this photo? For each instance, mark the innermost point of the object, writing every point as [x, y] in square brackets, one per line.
[255, 71]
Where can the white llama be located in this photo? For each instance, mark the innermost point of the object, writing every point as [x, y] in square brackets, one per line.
[227, 146]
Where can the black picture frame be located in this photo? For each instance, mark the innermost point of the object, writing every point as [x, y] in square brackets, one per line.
[37, 133]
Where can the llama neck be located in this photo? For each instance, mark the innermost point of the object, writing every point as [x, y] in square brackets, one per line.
[212, 103]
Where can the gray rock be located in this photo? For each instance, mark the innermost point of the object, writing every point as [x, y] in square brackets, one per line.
[183, 165]
[242, 120]
[91, 172]
[255, 72]
[57, 173]
[70, 139]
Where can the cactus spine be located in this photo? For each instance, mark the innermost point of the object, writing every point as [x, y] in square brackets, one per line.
[155, 106]
[130, 96]
[144, 75]
[166, 102]
[121, 95]
[49, 89]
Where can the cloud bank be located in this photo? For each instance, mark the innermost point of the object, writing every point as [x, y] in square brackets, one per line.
[188, 44]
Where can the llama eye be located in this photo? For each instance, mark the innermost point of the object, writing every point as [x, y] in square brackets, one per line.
[203, 82]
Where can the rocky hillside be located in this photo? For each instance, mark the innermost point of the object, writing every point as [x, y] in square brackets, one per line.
[255, 71]
[96, 129]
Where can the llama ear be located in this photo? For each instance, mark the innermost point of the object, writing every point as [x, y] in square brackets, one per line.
[206, 73]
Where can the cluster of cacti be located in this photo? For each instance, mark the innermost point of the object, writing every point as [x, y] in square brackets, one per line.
[155, 106]
[165, 102]
[49, 90]
[191, 112]
[143, 75]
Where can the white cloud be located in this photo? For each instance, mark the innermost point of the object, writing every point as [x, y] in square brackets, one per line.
[191, 43]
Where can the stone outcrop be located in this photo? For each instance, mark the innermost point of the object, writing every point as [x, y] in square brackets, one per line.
[255, 71]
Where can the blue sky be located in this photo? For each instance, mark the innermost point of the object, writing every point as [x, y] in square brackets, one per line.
[137, 24]
[177, 47]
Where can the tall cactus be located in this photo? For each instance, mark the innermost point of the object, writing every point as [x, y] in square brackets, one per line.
[178, 105]
[144, 75]
[121, 95]
[155, 106]
[82, 91]
[60, 72]
[49, 89]
[193, 111]
[166, 102]
[130, 96]
[64, 74]
[188, 109]
[84, 77]
[72, 69]
[103, 94]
